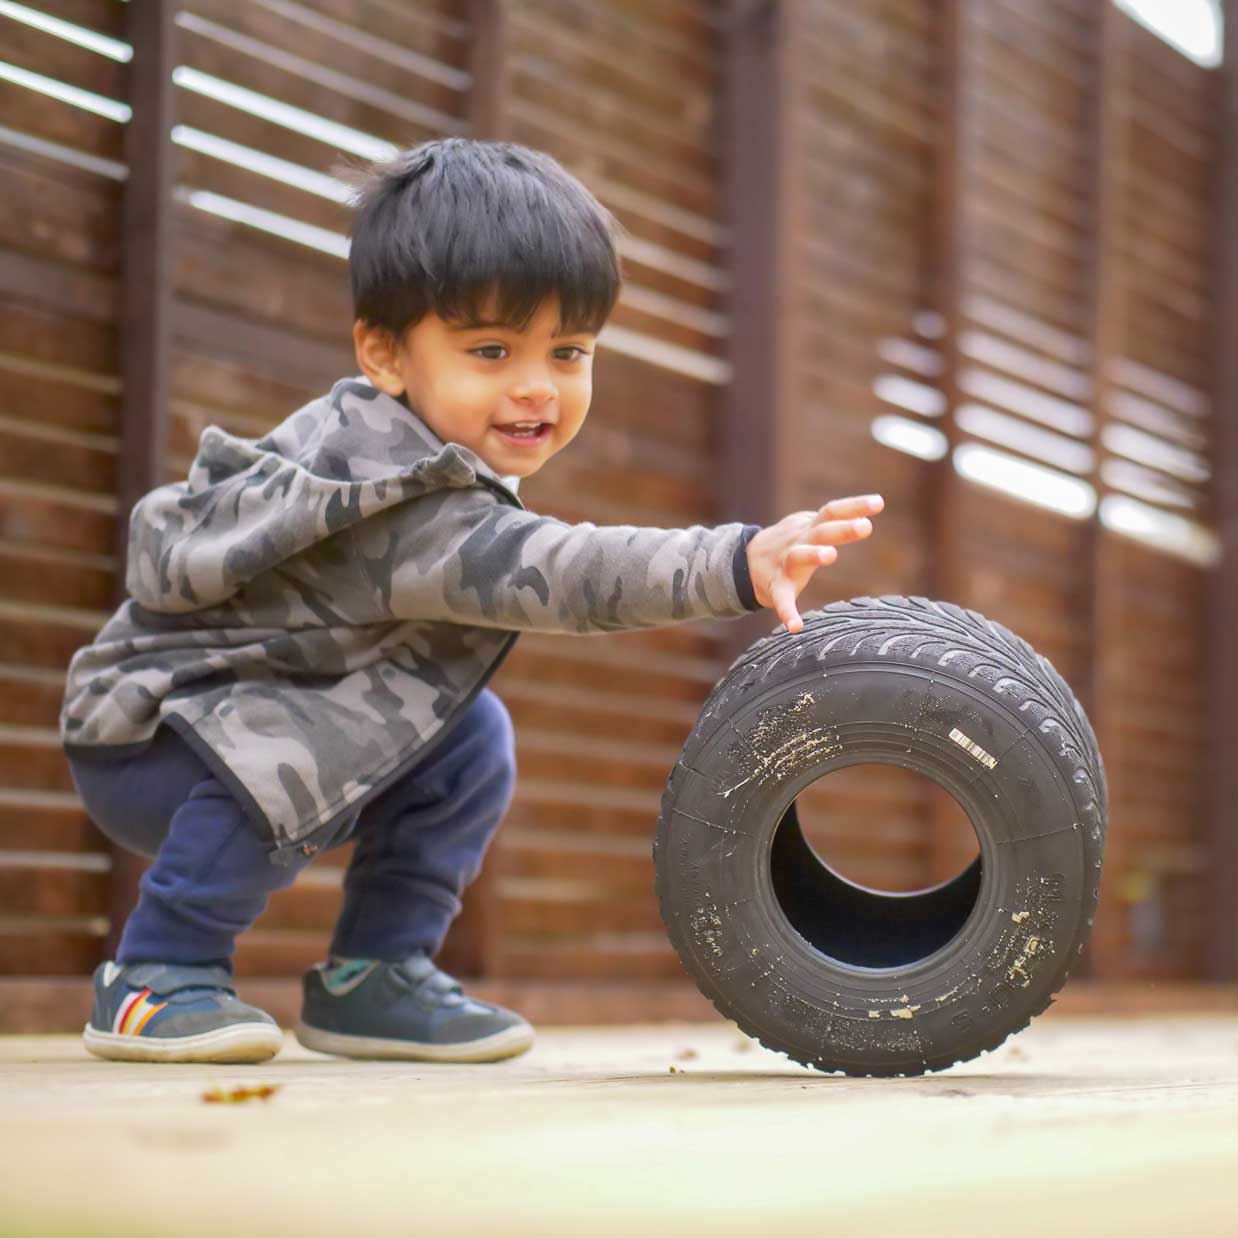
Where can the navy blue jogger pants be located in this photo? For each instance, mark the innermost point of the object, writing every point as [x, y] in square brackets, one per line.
[419, 844]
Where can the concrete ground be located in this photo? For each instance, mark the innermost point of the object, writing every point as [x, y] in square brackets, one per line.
[1075, 1127]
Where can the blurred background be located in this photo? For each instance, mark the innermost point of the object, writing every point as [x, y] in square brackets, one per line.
[976, 255]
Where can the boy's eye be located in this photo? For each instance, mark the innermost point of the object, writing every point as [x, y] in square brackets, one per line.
[491, 352]
[573, 351]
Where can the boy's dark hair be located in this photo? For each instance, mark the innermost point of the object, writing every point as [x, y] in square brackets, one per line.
[440, 226]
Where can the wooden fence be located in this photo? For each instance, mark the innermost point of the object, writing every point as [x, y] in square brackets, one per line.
[940, 249]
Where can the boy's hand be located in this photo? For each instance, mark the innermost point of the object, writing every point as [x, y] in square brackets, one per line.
[782, 557]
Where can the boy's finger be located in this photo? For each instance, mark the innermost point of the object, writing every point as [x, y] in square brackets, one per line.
[809, 557]
[829, 532]
[857, 505]
[783, 595]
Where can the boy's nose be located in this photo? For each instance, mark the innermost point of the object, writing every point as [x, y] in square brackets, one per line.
[534, 392]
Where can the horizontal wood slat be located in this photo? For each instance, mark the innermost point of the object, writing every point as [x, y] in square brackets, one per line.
[39, 51]
[40, 948]
[51, 891]
[59, 212]
[31, 826]
[102, 16]
[646, 957]
[342, 48]
[52, 519]
[263, 277]
[50, 119]
[218, 59]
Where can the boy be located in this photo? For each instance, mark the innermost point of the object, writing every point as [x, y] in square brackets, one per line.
[314, 615]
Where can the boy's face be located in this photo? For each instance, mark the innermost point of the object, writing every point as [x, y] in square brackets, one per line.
[473, 384]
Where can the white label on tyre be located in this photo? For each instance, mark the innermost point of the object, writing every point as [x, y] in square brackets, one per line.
[975, 749]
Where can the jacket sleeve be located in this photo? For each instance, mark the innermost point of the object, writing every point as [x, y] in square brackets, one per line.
[459, 556]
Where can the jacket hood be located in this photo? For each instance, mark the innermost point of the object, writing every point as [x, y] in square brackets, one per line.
[249, 504]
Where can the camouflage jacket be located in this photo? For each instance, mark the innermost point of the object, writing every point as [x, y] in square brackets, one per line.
[311, 609]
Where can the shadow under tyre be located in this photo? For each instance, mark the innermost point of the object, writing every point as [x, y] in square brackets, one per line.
[834, 974]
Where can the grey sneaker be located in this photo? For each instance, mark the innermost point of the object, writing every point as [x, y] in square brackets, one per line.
[410, 1009]
[166, 1012]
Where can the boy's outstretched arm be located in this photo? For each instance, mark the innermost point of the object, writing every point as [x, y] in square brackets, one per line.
[459, 557]
[462, 558]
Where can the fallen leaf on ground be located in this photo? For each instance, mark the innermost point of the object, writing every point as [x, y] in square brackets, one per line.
[239, 1095]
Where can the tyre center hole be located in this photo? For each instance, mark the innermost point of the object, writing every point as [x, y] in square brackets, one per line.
[876, 865]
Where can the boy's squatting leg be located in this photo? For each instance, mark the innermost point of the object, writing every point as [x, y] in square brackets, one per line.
[210, 880]
[422, 841]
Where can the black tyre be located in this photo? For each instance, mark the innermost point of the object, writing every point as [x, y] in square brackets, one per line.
[833, 974]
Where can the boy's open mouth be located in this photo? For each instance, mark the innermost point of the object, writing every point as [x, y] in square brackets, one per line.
[525, 434]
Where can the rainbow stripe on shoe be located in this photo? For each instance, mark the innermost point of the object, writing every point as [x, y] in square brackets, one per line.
[135, 1012]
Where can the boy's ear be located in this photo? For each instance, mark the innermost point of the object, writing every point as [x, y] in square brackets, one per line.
[376, 355]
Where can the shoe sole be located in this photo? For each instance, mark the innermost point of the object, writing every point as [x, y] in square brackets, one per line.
[505, 1044]
[240, 1042]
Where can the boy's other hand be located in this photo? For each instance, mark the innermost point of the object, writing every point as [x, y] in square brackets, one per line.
[782, 557]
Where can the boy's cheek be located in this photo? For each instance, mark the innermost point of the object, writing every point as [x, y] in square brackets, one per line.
[470, 395]
[568, 432]
[581, 397]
